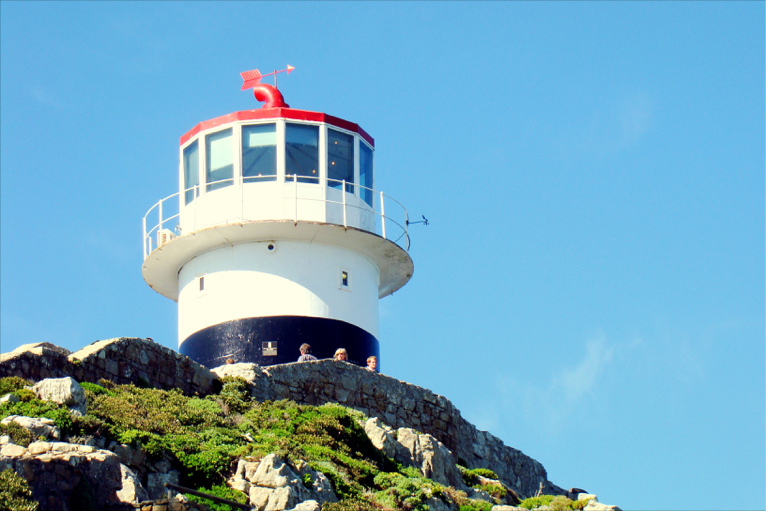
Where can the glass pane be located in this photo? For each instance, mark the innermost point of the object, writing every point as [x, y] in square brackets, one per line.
[191, 171]
[259, 152]
[220, 160]
[302, 152]
[365, 172]
[340, 160]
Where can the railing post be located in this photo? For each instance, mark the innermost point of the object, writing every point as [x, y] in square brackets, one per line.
[295, 182]
[196, 203]
[143, 222]
[343, 193]
[159, 227]
[382, 215]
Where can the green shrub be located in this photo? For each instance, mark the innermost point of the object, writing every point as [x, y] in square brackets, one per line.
[201, 412]
[25, 395]
[89, 425]
[130, 407]
[151, 443]
[476, 505]
[205, 456]
[398, 491]
[351, 505]
[95, 389]
[533, 502]
[19, 435]
[235, 394]
[470, 476]
[10, 384]
[554, 502]
[562, 503]
[222, 491]
[484, 472]
[579, 504]
[15, 494]
[497, 491]
[60, 414]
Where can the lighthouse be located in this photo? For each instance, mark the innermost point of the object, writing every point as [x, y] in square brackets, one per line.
[277, 237]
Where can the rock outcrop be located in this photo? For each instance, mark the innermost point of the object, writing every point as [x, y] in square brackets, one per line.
[38, 427]
[63, 476]
[414, 449]
[273, 485]
[64, 391]
[433, 432]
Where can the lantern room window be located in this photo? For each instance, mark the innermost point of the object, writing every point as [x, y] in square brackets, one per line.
[219, 171]
[340, 160]
[191, 171]
[365, 173]
[259, 153]
[302, 152]
[251, 153]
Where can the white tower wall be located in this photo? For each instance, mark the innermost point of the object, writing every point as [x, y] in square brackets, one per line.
[292, 279]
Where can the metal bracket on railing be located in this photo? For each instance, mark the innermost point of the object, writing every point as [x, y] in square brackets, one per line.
[424, 221]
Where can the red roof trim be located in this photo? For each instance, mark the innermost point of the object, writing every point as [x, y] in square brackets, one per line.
[277, 113]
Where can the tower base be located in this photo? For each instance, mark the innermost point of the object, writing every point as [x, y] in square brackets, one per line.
[276, 340]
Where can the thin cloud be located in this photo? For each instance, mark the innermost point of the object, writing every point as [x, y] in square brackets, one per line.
[554, 397]
[618, 126]
[46, 98]
[576, 383]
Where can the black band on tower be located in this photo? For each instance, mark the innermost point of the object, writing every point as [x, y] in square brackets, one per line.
[276, 340]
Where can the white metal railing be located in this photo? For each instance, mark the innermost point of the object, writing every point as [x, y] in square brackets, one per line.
[161, 223]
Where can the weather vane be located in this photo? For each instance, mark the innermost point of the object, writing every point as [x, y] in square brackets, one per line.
[253, 78]
[269, 95]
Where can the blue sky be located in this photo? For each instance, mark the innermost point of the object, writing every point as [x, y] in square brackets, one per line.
[591, 286]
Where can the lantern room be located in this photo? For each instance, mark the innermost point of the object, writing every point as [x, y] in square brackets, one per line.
[316, 156]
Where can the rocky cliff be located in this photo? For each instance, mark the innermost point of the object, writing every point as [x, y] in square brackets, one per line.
[407, 422]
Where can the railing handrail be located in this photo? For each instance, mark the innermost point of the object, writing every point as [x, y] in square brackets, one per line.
[378, 197]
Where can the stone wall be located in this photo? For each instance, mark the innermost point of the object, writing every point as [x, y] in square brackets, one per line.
[121, 360]
[396, 403]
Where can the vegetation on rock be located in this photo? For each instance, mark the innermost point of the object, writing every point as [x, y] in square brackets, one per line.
[14, 493]
[203, 437]
[553, 503]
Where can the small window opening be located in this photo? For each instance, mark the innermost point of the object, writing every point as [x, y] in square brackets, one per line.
[202, 283]
[344, 278]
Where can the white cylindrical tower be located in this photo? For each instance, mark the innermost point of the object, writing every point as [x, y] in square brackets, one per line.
[276, 238]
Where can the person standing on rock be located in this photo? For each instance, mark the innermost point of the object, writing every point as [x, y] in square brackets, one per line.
[372, 363]
[306, 353]
[341, 354]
